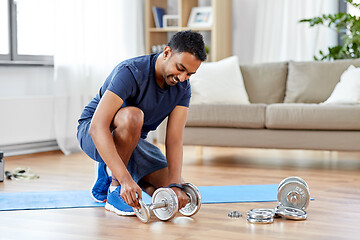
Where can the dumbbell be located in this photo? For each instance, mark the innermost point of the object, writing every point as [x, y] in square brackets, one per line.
[165, 204]
[293, 192]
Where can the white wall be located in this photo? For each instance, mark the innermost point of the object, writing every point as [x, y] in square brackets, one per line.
[26, 107]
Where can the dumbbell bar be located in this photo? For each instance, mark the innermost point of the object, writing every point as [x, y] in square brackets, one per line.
[165, 204]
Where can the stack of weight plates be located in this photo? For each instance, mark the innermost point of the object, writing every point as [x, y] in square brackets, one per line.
[293, 197]
[261, 215]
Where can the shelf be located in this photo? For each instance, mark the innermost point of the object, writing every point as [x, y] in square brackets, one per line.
[218, 37]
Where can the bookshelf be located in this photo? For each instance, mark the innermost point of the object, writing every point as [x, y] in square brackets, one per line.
[220, 40]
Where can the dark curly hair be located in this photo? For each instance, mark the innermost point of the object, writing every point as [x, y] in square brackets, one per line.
[189, 41]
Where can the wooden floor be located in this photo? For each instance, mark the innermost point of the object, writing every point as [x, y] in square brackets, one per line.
[333, 178]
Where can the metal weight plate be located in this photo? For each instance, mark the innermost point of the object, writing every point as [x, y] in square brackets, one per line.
[143, 213]
[293, 194]
[194, 204]
[261, 221]
[293, 178]
[291, 213]
[168, 196]
[261, 213]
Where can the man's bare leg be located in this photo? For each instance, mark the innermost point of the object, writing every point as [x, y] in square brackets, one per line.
[126, 130]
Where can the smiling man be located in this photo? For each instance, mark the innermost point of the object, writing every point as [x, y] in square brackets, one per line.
[136, 97]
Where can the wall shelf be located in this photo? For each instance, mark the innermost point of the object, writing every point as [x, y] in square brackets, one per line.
[220, 32]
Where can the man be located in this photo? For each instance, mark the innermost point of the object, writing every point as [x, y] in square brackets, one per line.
[136, 97]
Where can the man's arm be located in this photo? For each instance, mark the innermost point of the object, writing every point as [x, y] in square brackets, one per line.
[100, 132]
[174, 148]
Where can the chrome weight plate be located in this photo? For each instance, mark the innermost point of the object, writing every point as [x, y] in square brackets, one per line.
[291, 213]
[261, 213]
[260, 221]
[194, 204]
[293, 194]
[293, 178]
[167, 196]
[143, 213]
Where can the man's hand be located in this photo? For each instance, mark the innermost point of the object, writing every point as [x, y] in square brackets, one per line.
[131, 193]
[182, 197]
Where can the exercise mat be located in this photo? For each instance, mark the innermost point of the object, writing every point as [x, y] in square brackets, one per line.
[82, 199]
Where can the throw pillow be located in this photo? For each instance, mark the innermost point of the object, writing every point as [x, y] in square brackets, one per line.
[313, 81]
[347, 91]
[218, 83]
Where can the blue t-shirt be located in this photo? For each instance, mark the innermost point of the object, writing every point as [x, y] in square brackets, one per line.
[134, 82]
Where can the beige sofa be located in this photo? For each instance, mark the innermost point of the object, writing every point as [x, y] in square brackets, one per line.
[285, 111]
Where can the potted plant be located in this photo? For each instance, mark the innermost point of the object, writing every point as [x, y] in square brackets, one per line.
[345, 24]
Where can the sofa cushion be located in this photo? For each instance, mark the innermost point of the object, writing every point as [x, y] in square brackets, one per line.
[240, 116]
[313, 82]
[265, 83]
[313, 116]
[347, 91]
[218, 83]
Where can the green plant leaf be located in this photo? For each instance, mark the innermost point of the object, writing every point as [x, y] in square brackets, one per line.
[348, 26]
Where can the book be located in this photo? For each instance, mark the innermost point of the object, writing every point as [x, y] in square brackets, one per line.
[158, 13]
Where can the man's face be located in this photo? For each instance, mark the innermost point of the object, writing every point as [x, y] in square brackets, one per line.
[179, 67]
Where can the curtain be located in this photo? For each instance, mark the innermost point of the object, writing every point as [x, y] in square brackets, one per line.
[92, 37]
[280, 37]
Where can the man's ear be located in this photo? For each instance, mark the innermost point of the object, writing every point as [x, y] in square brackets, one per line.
[167, 52]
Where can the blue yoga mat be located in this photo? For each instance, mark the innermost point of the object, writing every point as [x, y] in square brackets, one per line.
[82, 199]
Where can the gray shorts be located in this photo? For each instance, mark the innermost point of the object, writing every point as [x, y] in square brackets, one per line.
[146, 158]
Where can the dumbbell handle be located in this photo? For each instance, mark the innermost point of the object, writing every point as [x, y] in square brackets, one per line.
[161, 204]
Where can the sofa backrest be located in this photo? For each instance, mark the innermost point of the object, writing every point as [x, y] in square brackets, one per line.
[265, 83]
[313, 82]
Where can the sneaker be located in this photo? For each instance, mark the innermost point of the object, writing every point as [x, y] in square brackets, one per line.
[101, 185]
[117, 205]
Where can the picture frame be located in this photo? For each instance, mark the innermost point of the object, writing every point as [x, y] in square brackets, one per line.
[201, 17]
[170, 21]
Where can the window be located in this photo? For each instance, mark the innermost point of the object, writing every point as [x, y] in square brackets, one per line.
[4, 32]
[27, 31]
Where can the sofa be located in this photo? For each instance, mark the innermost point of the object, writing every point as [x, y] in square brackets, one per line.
[286, 105]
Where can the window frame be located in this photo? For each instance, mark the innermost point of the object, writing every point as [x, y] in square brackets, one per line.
[342, 8]
[13, 58]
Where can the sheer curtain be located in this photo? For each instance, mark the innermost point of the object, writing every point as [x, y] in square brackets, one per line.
[280, 37]
[92, 36]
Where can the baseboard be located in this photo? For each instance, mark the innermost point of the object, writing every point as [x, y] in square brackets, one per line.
[27, 148]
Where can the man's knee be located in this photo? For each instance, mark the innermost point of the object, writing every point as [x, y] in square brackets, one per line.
[128, 120]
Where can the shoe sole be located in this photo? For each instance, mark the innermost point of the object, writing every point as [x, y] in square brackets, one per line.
[95, 199]
[111, 208]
